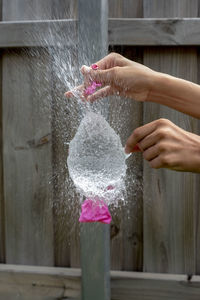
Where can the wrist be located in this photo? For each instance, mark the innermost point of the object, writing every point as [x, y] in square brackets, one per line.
[158, 83]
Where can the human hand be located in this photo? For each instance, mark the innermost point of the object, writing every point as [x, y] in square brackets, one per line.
[165, 145]
[117, 75]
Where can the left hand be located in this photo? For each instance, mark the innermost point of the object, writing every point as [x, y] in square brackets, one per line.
[165, 145]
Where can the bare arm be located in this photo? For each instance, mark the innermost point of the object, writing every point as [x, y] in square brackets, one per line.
[176, 93]
[119, 75]
[163, 144]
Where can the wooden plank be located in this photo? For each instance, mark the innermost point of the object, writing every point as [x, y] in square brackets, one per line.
[64, 9]
[169, 218]
[95, 237]
[170, 8]
[197, 183]
[37, 10]
[137, 32]
[125, 9]
[66, 235]
[47, 283]
[27, 160]
[125, 116]
[36, 33]
[153, 287]
[0, 10]
[2, 220]
[26, 10]
[2, 217]
[154, 32]
[27, 156]
[43, 283]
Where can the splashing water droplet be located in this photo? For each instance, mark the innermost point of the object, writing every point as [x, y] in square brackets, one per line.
[96, 159]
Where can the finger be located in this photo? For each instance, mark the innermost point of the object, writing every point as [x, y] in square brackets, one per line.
[87, 77]
[136, 148]
[105, 77]
[164, 161]
[112, 60]
[137, 135]
[148, 141]
[76, 92]
[109, 61]
[151, 153]
[102, 93]
[156, 163]
[69, 94]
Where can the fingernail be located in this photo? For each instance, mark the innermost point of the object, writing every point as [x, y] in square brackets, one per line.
[94, 67]
[68, 94]
[136, 148]
[126, 150]
[85, 69]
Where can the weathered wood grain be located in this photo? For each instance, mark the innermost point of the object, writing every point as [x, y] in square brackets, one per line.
[145, 286]
[47, 283]
[2, 220]
[27, 154]
[197, 182]
[169, 232]
[27, 160]
[0, 10]
[137, 32]
[40, 10]
[2, 217]
[170, 8]
[125, 9]
[125, 116]
[127, 225]
[39, 282]
[64, 9]
[154, 32]
[26, 10]
[67, 252]
[36, 33]
[197, 208]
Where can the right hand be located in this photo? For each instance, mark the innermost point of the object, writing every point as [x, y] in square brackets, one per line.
[120, 76]
[165, 145]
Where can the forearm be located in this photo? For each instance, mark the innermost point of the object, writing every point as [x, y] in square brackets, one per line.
[176, 93]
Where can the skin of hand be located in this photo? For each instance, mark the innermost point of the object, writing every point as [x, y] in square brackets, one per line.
[118, 75]
[165, 145]
[127, 78]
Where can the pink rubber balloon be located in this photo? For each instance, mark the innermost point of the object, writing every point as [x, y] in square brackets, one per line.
[94, 85]
[94, 211]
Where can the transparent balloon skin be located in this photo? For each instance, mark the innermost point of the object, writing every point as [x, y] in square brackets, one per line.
[96, 159]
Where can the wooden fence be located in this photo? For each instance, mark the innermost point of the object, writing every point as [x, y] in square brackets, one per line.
[158, 230]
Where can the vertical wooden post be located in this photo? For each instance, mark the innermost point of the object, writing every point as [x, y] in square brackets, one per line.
[2, 217]
[95, 249]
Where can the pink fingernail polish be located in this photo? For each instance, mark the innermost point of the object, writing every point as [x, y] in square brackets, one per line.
[94, 67]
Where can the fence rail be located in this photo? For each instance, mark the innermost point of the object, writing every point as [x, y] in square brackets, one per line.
[121, 31]
[47, 283]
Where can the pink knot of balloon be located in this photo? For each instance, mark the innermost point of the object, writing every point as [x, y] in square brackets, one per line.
[92, 88]
[94, 85]
[94, 211]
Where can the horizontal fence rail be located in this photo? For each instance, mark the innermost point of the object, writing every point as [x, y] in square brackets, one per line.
[37, 33]
[51, 283]
[154, 32]
[138, 32]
